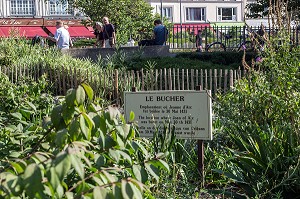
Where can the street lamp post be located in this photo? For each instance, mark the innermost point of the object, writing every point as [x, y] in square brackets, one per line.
[161, 10]
[180, 13]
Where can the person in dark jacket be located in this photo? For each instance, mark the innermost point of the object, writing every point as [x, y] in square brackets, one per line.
[109, 33]
[160, 33]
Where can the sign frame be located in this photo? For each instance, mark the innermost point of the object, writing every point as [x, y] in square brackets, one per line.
[203, 124]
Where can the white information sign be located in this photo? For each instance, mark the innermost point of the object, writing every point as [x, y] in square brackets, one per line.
[189, 111]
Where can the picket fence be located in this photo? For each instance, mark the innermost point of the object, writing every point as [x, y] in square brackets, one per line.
[111, 84]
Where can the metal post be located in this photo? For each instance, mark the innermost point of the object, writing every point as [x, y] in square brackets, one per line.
[200, 147]
[180, 14]
[161, 10]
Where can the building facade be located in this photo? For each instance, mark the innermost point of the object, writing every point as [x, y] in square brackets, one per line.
[38, 17]
[37, 9]
[201, 11]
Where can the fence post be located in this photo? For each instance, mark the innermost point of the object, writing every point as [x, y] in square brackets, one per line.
[231, 78]
[244, 34]
[116, 87]
[200, 147]
[206, 42]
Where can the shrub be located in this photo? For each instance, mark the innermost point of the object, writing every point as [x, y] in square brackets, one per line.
[82, 150]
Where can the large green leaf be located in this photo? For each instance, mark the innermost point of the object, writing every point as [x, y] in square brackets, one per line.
[53, 178]
[138, 146]
[17, 167]
[84, 127]
[114, 154]
[117, 192]
[70, 97]
[140, 173]
[126, 156]
[33, 180]
[68, 114]
[127, 191]
[100, 193]
[88, 90]
[80, 95]
[74, 129]
[78, 165]
[11, 182]
[152, 170]
[163, 165]
[62, 165]
[89, 121]
[61, 137]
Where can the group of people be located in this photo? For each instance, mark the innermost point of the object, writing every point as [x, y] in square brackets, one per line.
[105, 35]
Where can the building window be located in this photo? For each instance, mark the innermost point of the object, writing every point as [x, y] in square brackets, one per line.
[59, 8]
[195, 14]
[227, 14]
[22, 7]
[168, 13]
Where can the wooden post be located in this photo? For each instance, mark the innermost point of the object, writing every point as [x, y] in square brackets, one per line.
[116, 87]
[231, 78]
[200, 147]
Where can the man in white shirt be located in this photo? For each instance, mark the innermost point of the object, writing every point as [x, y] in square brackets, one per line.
[61, 36]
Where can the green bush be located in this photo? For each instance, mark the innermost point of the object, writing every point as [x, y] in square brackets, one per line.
[81, 150]
[190, 60]
[78, 43]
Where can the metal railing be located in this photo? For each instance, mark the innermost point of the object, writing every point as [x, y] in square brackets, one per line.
[184, 37]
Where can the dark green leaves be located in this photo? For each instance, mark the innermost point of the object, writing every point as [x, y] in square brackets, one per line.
[56, 117]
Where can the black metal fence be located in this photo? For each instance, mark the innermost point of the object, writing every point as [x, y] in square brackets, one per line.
[228, 37]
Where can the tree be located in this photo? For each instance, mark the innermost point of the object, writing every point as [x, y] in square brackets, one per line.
[130, 17]
[261, 8]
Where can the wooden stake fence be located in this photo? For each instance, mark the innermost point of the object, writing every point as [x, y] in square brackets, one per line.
[111, 84]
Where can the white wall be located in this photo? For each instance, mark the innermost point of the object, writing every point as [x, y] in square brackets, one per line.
[211, 9]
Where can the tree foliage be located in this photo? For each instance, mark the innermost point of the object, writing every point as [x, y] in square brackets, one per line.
[129, 16]
[262, 7]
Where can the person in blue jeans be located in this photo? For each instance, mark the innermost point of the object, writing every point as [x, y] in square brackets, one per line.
[160, 33]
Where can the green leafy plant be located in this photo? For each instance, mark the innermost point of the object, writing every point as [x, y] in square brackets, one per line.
[83, 149]
[260, 118]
